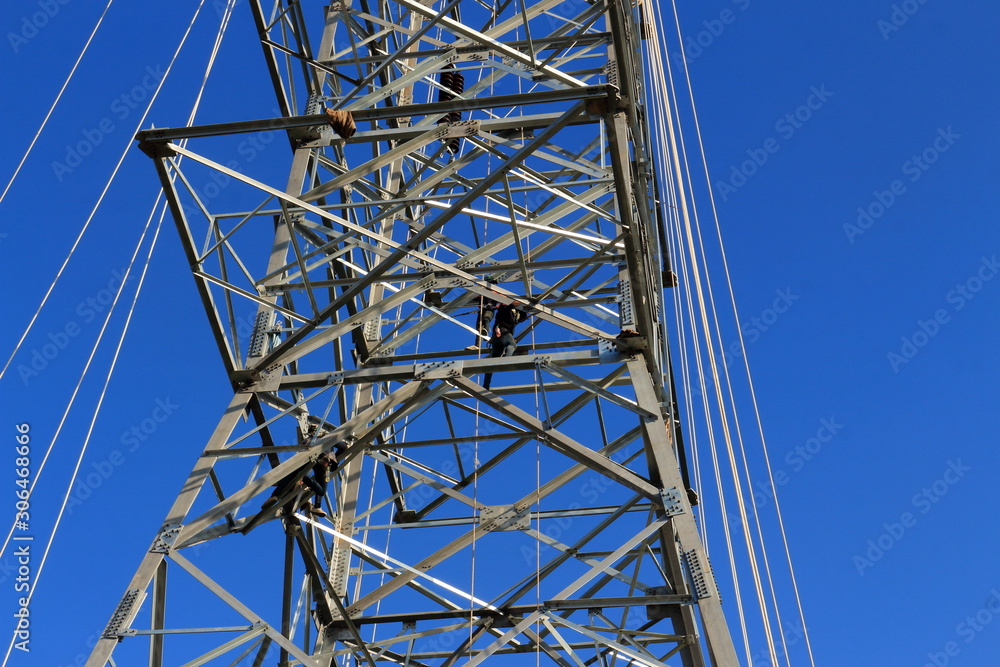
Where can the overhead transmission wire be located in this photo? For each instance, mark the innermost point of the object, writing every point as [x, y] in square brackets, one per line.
[86, 225]
[688, 262]
[739, 464]
[90, 218]
[429, 97]
[695, 345]
[673, 233]
[155, 204]
[751, 536]
[112, 307]
[729, 385]
[100, 199]
[475, 453]
[684, 345]
[746, 365]
[100, 402]
[761, 598]
[704, 293]
[401, 436]
[407, 420]
[727, 431]
[671, 193]
[760, 535]
[55, 103]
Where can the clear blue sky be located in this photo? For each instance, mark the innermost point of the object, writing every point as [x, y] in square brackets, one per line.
[853, 152]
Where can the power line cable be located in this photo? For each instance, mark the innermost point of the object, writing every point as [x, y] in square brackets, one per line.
[111, 310]
[55, 102]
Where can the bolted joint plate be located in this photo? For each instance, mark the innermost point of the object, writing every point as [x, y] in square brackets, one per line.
[164, 542]
[157, 149]
[269, 379]
[371, 329]
[124, 614]
[504, 517]
[258, 338]
[658, 612]
[438, 370]
[671, 498]
[608, 351]
[625, 303]
[314, 106]
[462, 128]
[696, 573]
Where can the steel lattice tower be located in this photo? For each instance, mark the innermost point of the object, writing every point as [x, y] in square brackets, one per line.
[544, 519]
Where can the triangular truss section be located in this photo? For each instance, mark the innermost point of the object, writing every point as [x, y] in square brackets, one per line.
[483, 505]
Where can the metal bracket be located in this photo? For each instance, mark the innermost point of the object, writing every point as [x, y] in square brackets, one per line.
[314, 106]
[611, 71]
[339, 570]
[438, 370]
[157, 149]
[462, 128]
[124, 613]
[270, 379]
[164, 542]
[625, 303]
[672, 503]
[505, 517]
[261, 329]
[658, 612]
[338, 633]
[699, 580]
[372, 327]
[607, 351]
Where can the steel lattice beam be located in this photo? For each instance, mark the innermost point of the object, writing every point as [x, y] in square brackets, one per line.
[464, 525]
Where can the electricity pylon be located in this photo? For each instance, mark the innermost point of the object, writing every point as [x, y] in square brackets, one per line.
[501, 158]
